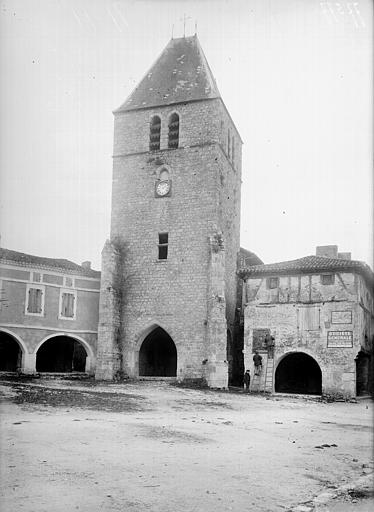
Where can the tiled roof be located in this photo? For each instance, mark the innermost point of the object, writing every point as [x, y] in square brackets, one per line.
[181, 73]
[27, 260]
[307, 265]
[249, 258]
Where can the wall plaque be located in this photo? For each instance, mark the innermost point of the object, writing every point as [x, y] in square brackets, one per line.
[341, 317]
[259, 339]
[339, 339]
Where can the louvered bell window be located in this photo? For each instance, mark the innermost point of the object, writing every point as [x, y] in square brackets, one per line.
[173, 138]
[155, 133]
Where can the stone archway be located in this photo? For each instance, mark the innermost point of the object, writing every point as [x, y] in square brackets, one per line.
[158, 355]
[10, 353]
[298, 373]
[61, 354]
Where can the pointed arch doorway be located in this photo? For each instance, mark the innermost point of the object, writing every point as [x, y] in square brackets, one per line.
[158, 355]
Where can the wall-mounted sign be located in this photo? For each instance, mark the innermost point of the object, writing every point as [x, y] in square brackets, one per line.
[341, 317]
[259, 339]
[339, 339]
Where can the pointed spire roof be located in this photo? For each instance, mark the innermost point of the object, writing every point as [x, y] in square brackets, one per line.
[180, 74]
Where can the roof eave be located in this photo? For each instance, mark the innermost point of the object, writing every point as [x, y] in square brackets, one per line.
[246, 273]
[52, 268]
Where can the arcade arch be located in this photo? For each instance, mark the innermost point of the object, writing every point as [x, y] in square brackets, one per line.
[298, 373]
[11, 352]
[61, 353]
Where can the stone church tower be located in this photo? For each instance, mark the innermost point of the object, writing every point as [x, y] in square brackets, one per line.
[168, 290]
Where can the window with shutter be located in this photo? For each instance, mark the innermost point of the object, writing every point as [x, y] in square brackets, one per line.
[34, 300]
[309, 318]
[67, 308]
[68, 304]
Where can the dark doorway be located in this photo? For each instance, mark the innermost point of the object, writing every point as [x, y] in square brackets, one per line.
[229, 355]
[362, 374]
[298, 373]
[61, 354]
[10, 353]
[158, 355]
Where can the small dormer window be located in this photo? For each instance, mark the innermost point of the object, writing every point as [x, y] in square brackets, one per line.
[155, 133]
[173, 138]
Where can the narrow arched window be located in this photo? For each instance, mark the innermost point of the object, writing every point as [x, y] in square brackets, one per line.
[228, 144]
[164, 175]
[173, 139]
[155, 133]
[233, 150]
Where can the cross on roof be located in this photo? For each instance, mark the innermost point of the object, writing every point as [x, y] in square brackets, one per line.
[184, 19]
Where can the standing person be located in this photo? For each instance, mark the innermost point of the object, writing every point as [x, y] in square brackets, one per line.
[257, 359]
[270, 342]
[247, 380]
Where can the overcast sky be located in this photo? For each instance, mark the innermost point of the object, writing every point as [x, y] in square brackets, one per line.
[296, 76]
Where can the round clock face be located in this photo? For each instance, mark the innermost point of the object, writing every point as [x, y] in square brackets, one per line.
[163, 188]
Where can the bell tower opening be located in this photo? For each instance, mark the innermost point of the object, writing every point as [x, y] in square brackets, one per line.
[158, 355]
[298, 373]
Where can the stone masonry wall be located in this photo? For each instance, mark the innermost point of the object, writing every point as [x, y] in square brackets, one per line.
[173, 293]
[292, 312]
[109, 357]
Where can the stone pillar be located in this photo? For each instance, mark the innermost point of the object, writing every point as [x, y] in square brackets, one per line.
[217, 366]
[29, 363]
[108, 359]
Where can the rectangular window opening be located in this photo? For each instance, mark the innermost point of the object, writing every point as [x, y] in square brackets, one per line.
[163, 241]
[272, 282]
[327, 278]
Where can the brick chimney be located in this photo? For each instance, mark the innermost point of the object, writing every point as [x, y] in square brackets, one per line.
[327, 251]
[344, 255]
[86, 265]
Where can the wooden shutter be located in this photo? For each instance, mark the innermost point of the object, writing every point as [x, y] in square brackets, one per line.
[35, 300]
[309, 318]
[67, 305]
[38, 300]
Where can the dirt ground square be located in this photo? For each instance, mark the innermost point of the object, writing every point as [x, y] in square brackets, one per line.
[154, 446]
